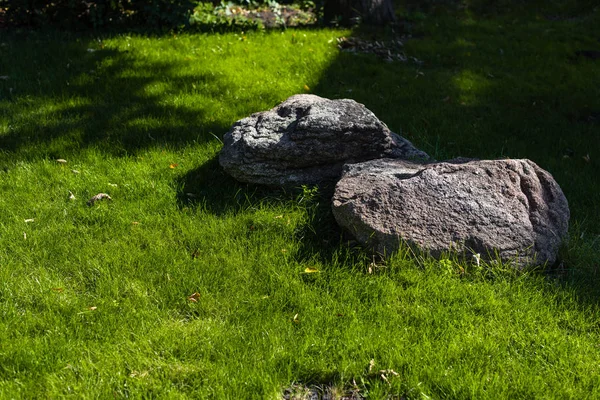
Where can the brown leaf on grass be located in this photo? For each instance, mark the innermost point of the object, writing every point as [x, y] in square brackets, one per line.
[58, 289]
[173, 166]
[99, 196]
[92, 308]
[194, 297]
[310, 270]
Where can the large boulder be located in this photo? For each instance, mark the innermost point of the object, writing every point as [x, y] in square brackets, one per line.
[306, 140]
[507, 209]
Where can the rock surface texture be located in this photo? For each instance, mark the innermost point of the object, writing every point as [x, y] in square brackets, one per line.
[306, 140]
[511, 209]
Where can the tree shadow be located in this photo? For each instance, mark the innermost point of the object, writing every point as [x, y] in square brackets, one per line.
[93, 96]
[489, 85]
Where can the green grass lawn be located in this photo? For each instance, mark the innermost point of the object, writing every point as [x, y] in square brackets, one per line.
[189, 284]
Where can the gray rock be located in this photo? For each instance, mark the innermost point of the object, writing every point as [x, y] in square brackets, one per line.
[306, 140]
[507, 209]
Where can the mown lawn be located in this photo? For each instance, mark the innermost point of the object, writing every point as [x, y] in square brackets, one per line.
[188, 284]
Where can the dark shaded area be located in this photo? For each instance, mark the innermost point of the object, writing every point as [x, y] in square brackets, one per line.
[466, 99]
[348, 12]
[211, 189]
[94, 14]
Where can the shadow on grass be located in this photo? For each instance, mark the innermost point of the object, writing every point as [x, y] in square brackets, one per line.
[495, 86]
[210, 188]
[79, 94]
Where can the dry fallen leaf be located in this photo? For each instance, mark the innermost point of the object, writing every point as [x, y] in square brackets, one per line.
[371, 364]
[92, 308]
[173, 166]
[61, 161]
[28, 220]
[71, 195]
[388, 371]
[586, 158]
[307, 88]
[295, 319]
[194, 297]
[310, 270]
[142, 374]
[58, 289]
[99, 196]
